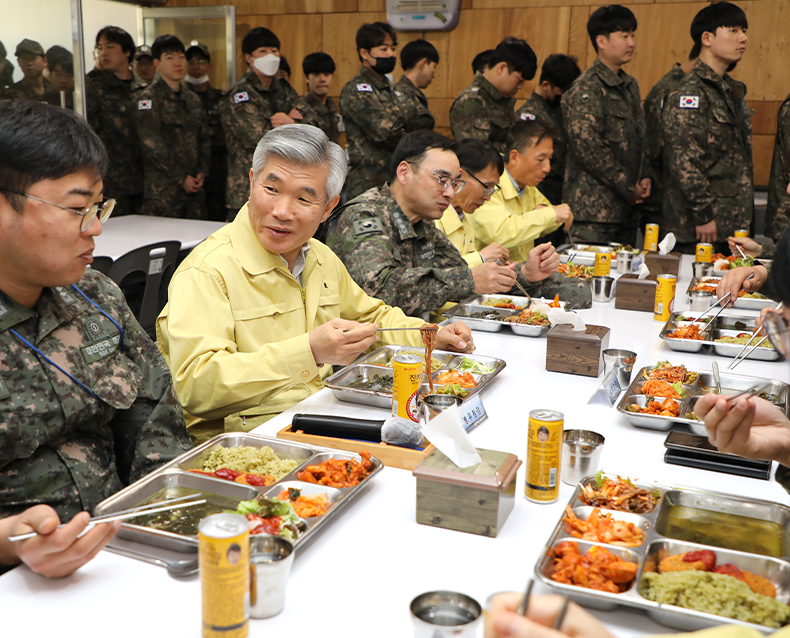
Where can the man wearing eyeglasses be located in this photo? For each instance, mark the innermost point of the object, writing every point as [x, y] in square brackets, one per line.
[388, 242]
[87, 404]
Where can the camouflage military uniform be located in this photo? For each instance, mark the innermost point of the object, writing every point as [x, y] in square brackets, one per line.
[290, 92]
[246, 117]
[323, 116]
[374, 126]
[654, 141]
[708, 156]
[217, 181]
[539, 109]
[24, 91]
[602, 113]
[413, 267]
[577, 292]
[111, 115]
[59, 444]
[481, 112]
[414, 105]
[777, 212]
[176, 143]
[138, 84]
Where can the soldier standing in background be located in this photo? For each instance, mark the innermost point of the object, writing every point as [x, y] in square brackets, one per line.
[484, 110]
[60, 63]
[284, 78]
[708, 137]
[777, 212]
[111, 114]
[33, 86]
[481, 61]
[316, 107]
[197, 79]
[418, 59]
[256, 104]
[371, 114]
[143, 67]
[602, 113]
[6, 70]
[176, 141]
[654, 137]
[556, 76]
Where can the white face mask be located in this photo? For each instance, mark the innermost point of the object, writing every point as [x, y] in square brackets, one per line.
[269, 64]
[201, 80]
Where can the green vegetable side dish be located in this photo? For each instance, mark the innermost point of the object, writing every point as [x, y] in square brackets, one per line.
[475, 367]
[453, 388]
[271, 507]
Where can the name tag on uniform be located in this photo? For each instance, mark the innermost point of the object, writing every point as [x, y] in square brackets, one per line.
[689, 101]
[527, 116]
[4, 392]
[240, 97]
[67, 298]
[364, 87]
[100, 349]
[145, 105]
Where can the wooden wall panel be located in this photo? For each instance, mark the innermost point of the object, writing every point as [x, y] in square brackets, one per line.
[579, 44]
[762, 150]
[338, 36]
[764, 118]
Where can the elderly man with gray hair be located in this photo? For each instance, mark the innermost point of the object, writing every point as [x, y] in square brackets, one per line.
[260, 311]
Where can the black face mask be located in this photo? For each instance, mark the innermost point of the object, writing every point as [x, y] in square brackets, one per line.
[383, 65]
[555, 101]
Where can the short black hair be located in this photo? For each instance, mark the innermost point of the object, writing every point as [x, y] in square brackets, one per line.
[118, 36]
[518, 56]
[39, 141]
[413, 147]
[779, 277]
[284, 66]
[480, 62]
[257, 38]
[318, 63]
[415, 51]
[560, 70]
[719, 14]
[526, 133]
[166, 44]
[58, 55]
[606, 20]
[372, 34]
[476, 155]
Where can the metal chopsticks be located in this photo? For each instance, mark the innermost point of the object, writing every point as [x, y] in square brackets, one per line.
[151, 508]
[758, 387]
[742, 354]
[524, 606]
[518, 285]
[423, 328]
[712, 306]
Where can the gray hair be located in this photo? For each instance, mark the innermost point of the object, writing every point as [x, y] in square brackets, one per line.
[303, 145]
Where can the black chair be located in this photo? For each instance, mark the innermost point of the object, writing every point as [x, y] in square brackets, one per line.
[102, 264]
[144, 274]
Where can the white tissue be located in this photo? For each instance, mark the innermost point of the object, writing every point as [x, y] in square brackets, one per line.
[539, 306]
[447, 433]
[667, 244]
[644, 271]
[558, 316]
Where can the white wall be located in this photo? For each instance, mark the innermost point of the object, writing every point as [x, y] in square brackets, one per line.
[97, 14]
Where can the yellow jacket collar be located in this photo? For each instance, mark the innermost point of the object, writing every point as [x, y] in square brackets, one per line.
[506, 184]
[450, 220]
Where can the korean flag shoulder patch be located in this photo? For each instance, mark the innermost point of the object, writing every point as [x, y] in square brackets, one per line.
[689, 102]
[241, 96]
[145, 105]
[364, 88]
[527, 116]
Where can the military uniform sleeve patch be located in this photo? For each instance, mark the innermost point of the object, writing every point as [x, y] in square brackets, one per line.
[689, 102]
[241, 96]
[145, 105]
[527, 116]
[367, 227]
[364, 88]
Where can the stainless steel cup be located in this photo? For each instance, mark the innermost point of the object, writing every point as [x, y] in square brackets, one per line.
[445, 614]
[625, 262]
[602, 288]
[435, 404]
[623, 361]
[270, 563]
[702, 269]
[700, 299]
[581, 455]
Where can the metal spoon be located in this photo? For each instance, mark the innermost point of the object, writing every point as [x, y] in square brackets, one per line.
[185, 567]
[716, 377]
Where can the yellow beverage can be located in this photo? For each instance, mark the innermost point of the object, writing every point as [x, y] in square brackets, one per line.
[741, 233]
[704, 253]
[665, 297]
[224, 555]
[651, 237]
[544, 451]
[603, 264]
[406, 382]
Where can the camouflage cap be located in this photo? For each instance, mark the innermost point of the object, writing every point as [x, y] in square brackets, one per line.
[142, 51]
[29, 46]
[196, 48]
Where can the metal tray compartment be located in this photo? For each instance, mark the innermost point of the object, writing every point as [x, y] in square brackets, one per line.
[760, 353]
[657, 546]
[742, 303]
[341, 380]
[478, 300]
[494, 321]
[721, 323]
[653, 421]
[682, 345]
[584, 254]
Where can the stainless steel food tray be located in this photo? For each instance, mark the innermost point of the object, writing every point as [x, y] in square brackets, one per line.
[378, 362]
[730, 384]
[176, 476]
[497, 317]
[777, 570]
[723, 325]
[584, 254]
[743, 304]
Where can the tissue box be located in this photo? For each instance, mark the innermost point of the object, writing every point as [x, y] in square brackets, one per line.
[633, 293]
[576, 352]
[475, 499]
[662, 264]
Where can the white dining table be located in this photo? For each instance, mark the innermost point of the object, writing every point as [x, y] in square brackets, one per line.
[121, 235]
[359, 574]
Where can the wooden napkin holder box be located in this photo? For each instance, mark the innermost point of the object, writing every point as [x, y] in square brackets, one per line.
[633, 293]
[663, 264]
[576, 352]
